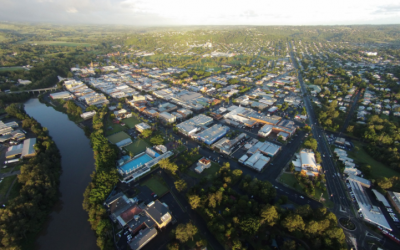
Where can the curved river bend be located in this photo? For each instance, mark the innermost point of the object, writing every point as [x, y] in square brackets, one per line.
[67, 227]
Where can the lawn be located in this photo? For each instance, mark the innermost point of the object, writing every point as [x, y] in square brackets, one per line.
[59, 43]
[11, 68]
[5, 170]
[112, 128]
[131, 122]
[156, 185]
[118, 137]
[378, 169]
[137, 146]
[14, 190]
[5, 184]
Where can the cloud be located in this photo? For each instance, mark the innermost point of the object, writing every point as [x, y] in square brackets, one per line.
[390, 9]
[206, 12]
[71, 10]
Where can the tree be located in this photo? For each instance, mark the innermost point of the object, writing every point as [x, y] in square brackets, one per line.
[180, 185]
[289, 245]
[146, 133]
[293, 222]
[185, 232]
[250, 225]
[291, 167]
[157, 140]
[194, 201]
[384, 183]
[269, 215]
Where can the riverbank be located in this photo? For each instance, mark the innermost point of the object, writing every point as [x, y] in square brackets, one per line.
[38, 182]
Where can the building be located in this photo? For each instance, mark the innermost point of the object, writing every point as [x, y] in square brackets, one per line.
[184, 112]
[88, 115]
[144, 236]
[159, 213]
[257, 161]
[394, 199]
[61, 95]
[24, 82]
[265, 130]
[26, 149]
[370, 213]
[226, 145]
[363, 182]
[202, 164]
[307, 163]
[167, 117]
[285, 126]
[194, 124]
[283, 135]
[142, 127]
[212, 134]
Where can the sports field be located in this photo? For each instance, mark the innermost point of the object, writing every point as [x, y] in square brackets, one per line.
[118, 137]
[137, 146]
[131, 122]
[155, 184]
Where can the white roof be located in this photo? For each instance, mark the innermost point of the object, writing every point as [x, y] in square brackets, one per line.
[307, 158]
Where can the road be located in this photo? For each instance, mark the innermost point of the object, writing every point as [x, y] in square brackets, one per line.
[351, 112]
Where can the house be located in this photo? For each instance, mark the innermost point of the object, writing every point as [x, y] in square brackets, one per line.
[159, 213]
[202, 164]
[142, 127]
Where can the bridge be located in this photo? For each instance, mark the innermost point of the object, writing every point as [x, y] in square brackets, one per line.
[33, 90]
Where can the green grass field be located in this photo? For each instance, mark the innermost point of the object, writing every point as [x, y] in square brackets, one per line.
[378, 169]
[131, 122]
[14, 191]
[5, 184]
[155, 184]
[59, 43]
[137, 146]
[3, 69]
[118, 137]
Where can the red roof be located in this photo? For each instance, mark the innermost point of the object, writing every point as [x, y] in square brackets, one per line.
[128, 214]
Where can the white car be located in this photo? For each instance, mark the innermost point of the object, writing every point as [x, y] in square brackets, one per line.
[302, 197]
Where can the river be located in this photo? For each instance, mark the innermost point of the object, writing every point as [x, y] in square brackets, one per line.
[68, 227]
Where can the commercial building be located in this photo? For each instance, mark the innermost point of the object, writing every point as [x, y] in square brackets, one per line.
[212, 134]
[265, 130]
[226, 145]
[167, 117]
[141, 219]
[267, 148]
[285, 126]
[370, 213]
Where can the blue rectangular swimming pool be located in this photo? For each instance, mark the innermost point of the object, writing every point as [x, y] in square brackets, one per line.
[136, 163]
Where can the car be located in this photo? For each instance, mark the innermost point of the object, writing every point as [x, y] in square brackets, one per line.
[301, 197]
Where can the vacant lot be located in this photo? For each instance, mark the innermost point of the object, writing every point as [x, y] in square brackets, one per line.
[118, 137]
[378, 169]
[131, 122]
[156, 184]
[137, 146]
[59, 43]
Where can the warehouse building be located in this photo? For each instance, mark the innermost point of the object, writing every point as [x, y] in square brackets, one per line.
[257, 161]
[212, 134]
[26, 149]
[194, 124]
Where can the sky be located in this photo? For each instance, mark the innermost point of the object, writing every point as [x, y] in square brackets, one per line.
[204, 12]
